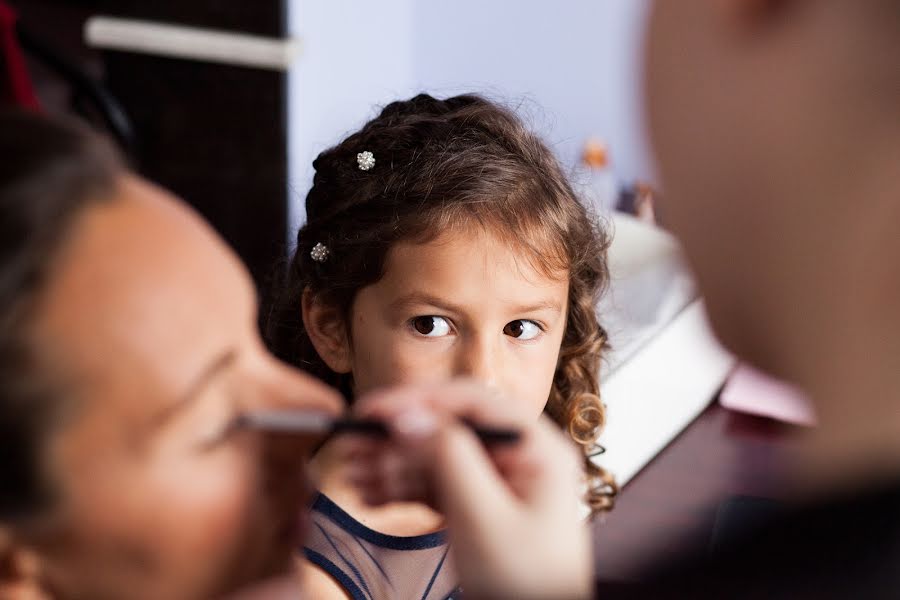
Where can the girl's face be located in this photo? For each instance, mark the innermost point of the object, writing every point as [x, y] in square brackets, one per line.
[463, 305]
[151, 322]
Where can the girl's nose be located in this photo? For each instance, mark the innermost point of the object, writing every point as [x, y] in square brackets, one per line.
[480, 361]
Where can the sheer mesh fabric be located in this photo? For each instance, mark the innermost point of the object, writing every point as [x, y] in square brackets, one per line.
[373, 566]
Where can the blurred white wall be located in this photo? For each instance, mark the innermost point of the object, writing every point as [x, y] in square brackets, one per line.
[572, 65]
[354, 55]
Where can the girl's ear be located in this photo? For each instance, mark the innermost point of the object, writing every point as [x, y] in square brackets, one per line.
[328, 333]
[19, 571]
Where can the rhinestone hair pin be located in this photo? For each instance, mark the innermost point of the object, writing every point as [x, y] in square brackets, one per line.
[319, 252]
[365, 160]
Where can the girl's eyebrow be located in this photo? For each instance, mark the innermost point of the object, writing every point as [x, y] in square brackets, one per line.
[424, 298]
[548, 305]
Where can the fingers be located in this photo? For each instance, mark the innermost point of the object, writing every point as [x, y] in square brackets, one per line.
[424, 421]
[428, 446]
[387, 473]
[284, 588]
[459, 399]
[393, 479]
[524, 494]
[466, 480]
[431, 457]
[553, 467]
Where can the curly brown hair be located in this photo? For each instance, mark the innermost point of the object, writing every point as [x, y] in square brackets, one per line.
[442, 165]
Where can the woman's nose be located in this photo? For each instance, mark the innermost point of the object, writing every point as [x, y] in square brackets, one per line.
[281, 387]
[285, 387]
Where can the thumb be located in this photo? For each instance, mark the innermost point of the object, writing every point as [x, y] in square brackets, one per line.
[467, 479]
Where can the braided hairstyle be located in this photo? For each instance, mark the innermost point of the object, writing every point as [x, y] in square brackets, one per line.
[444, 165]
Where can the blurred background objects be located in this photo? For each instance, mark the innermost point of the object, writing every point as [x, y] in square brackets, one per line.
[238, 141]
[214, 132]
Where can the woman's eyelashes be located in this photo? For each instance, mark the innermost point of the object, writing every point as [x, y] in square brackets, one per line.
[433, 326]
[218, 434]
[218, 420]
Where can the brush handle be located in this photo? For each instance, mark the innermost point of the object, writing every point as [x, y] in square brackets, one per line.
[295, 421]
[487, 435]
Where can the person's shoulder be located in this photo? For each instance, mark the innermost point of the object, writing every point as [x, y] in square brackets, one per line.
[319, 584]
[843, 547]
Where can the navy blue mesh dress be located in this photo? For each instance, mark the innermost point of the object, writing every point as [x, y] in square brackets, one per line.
[373, 566]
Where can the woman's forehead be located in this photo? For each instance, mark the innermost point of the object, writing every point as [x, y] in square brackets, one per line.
[143, 290]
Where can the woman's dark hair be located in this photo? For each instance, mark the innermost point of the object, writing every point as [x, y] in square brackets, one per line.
[444, 165]
[49, 172]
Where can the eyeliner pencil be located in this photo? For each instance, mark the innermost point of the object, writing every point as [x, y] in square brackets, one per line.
[314, 423]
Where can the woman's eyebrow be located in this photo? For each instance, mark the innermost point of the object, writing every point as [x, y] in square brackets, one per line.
[215, 367]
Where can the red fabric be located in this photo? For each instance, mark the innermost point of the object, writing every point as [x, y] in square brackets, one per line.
[15, 84]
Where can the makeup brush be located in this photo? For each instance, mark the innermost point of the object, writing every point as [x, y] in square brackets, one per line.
[315, 423]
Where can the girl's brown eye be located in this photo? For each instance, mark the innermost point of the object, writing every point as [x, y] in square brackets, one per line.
[522, 329]
[431, 326]
[514, 328]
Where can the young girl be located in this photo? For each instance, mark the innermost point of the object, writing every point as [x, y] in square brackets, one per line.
[442, 240]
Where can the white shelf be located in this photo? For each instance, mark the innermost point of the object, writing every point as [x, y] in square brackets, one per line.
[191, 43]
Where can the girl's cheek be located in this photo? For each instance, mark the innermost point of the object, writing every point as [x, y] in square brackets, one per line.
[534, 379]
[422, 362]
[402, 359]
